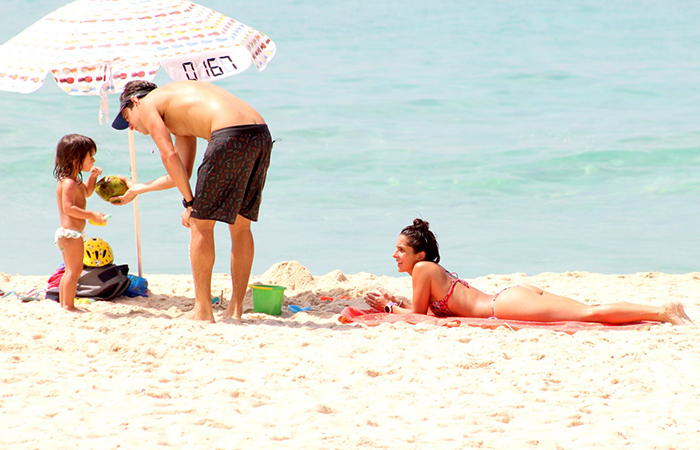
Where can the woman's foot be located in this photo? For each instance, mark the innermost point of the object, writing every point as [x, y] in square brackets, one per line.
[673, 312]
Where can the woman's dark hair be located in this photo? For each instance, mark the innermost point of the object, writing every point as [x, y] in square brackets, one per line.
[70, 154]
[421, 239]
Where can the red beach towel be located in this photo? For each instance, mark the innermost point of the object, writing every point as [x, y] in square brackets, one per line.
[373, 318]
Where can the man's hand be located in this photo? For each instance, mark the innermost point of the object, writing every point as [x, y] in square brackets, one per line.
[186, 217]
[129, 195]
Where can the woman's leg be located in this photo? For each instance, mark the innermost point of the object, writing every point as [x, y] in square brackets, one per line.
[532, 303]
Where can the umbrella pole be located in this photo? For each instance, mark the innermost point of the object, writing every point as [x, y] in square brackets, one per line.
[137, 226]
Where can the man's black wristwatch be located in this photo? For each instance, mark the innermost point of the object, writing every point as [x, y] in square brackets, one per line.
[187, 204]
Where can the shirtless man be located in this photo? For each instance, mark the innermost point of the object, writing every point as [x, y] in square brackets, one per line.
[230, 179]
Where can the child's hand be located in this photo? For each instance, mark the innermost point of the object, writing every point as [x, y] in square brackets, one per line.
[96, 171]
[99, 218]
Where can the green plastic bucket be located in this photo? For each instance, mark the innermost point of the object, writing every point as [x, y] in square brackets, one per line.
[267, 298]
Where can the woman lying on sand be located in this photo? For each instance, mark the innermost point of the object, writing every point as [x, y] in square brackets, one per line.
[446, 295]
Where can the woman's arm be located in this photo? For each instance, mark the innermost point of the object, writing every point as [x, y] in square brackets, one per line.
[422, 279]
[381, 298]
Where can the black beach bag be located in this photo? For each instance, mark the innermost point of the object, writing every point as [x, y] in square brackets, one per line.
[99, 283]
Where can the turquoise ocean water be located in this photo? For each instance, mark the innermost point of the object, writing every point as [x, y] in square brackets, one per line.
[533, 136]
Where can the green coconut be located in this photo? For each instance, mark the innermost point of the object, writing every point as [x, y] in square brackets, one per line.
[111, 186]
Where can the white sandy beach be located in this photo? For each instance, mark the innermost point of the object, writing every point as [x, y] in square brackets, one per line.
[134, 374]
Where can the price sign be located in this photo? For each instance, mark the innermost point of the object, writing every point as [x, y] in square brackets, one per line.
[213, 67]
[208, 67]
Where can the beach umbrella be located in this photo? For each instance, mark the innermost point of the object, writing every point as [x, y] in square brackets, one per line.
[94, 47]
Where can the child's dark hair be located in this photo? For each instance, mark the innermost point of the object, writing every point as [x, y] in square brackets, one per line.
[70, 154]
[421, 239]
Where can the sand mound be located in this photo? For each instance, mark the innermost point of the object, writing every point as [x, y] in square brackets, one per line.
[290, 274]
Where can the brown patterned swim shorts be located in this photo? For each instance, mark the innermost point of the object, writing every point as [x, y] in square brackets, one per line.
[231, 178]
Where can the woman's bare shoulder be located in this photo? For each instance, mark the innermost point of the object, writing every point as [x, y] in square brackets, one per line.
[428, 268]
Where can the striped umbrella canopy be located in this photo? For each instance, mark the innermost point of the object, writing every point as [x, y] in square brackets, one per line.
[95, 47]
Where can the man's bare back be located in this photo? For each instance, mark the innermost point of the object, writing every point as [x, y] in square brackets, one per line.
[195, 108]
